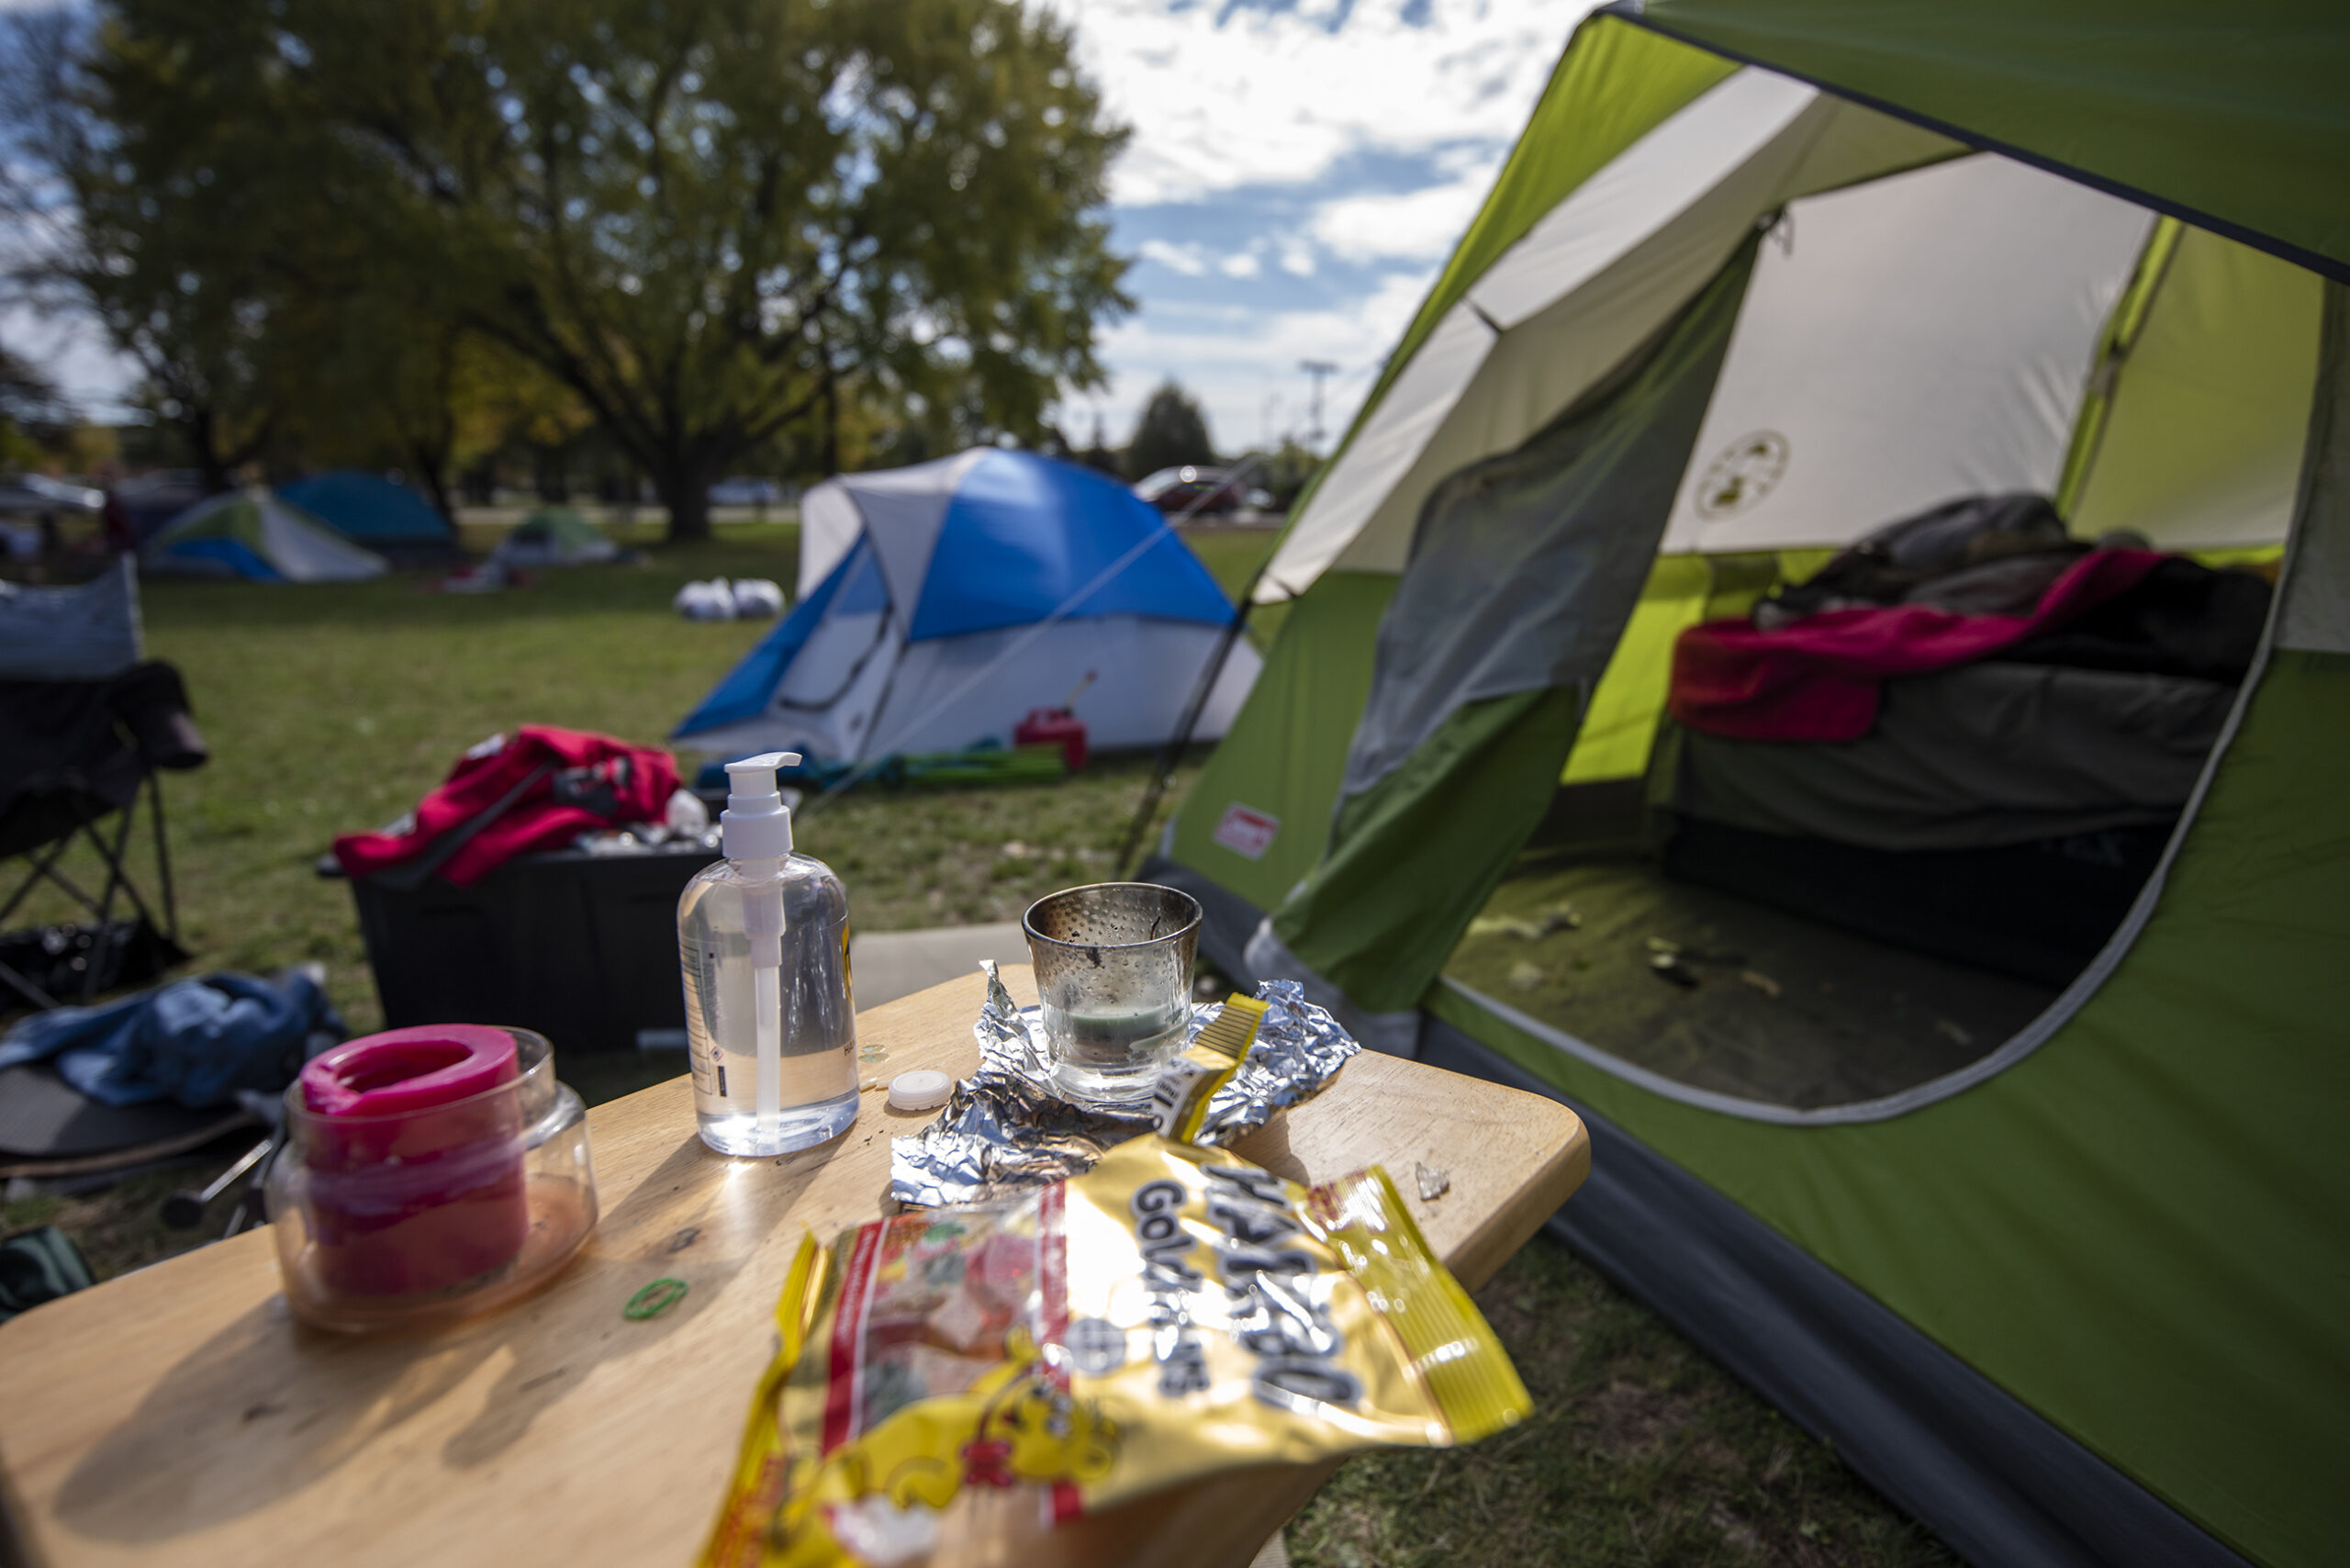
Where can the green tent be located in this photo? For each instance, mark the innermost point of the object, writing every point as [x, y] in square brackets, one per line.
[556, 536]
[2068, 1274]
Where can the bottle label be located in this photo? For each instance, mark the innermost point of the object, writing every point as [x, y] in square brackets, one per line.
[700, 966]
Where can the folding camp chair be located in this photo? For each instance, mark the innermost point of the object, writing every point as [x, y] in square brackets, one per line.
[86, 725]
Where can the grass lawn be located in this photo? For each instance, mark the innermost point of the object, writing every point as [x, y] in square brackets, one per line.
[333, 708]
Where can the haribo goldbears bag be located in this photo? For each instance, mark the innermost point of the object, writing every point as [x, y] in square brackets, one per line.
[1172, 1313]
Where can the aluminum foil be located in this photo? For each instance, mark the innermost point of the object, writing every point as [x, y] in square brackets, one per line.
[1007, 1126]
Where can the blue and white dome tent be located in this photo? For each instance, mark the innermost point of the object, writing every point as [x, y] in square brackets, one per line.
[951, 597]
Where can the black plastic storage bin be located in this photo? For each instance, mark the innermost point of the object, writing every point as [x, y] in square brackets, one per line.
[581, 947]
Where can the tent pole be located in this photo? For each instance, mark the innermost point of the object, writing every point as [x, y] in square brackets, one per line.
[1128, 861]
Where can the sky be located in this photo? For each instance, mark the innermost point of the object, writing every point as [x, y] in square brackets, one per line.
[1297, 172]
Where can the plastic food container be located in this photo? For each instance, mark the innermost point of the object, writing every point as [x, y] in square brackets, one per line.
[426, 1175]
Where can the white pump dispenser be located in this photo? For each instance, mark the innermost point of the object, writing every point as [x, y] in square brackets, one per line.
[756, 833]
[778, 922]
[755, 825]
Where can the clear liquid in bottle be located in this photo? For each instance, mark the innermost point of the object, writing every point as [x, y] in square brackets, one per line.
[817, 1095]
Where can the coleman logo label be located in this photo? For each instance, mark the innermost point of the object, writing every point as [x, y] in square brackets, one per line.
[1747, 470]
[1246, 831]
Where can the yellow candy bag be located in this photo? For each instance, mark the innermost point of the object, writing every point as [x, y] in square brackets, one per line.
[1172, 1313]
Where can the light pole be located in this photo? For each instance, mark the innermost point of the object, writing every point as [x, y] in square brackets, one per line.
[1320, 370]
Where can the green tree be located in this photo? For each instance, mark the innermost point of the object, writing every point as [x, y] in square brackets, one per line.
[177, 191]
[715, 220]
[168, 229]
[1172, 431]
[35, 416]
[721, 226]
[1098, 455]
[1284, 472]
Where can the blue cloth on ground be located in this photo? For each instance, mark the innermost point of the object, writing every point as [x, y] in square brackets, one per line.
[197, 1041]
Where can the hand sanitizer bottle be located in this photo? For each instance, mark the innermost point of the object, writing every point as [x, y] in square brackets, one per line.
[763, 935]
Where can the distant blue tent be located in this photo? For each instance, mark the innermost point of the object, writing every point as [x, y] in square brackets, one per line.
[368, 510]
[940, 603]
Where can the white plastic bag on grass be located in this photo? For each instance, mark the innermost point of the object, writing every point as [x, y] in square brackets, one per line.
[758, 599]
[713, 600]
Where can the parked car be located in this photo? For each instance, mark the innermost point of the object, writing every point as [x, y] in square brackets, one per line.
[1198, 491]
[741, 492]
[36, 495]
[31, 508]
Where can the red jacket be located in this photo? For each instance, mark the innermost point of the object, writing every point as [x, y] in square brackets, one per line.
[538, 790]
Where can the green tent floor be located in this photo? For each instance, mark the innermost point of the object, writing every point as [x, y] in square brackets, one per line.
[1785, 1010]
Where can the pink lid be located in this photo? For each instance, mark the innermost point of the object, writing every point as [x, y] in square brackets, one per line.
[404, 1070]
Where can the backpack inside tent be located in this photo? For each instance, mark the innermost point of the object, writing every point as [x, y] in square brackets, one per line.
[371, 510]
[1828, 647]
[259, 537]
[941, 603]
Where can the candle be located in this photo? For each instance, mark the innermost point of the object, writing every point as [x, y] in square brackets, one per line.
[414, 1150]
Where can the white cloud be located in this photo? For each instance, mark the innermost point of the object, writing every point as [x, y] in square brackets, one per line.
[1410, 226]
[1185, 258]
[1281, 96]
[1193, 260]
[1365, 142]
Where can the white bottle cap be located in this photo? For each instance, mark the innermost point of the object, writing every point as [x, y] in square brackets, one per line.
[920, 1090]
[755, 825]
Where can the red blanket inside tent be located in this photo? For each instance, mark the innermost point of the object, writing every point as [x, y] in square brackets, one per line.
[1817, 679]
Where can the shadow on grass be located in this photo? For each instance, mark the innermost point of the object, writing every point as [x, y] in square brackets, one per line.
[1641, 1450]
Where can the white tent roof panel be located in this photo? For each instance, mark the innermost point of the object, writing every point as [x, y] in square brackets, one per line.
[903, 507]
[1591, 281]
[829, 524]
[1384, 452]
[1380, 472]
[1904, 342]
[1655, 180]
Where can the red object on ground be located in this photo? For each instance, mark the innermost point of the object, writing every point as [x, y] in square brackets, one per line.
[539, 790]
[1818, 679]
[415, 1167]
[1054, 726]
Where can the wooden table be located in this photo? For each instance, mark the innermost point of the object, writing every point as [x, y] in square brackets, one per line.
[179, 1415]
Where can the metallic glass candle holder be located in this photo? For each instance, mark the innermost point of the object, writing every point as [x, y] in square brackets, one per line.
[1113, 979]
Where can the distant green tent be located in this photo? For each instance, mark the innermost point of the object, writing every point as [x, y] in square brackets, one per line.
[556, 536]
[2068, 1277]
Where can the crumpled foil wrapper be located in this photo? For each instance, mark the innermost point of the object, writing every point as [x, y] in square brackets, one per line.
[1008, 1128]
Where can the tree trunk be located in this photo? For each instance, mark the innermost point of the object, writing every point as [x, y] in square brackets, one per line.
[550, 475]
[210, 464]
[685, 490]
[481, 482]
[431, 460]
[831, 420]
